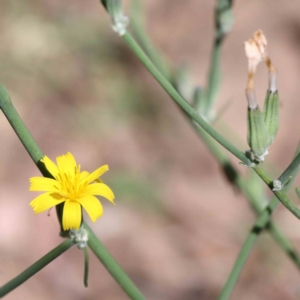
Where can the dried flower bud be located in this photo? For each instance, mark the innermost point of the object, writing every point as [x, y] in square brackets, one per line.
[256, 50]
[262, 127]
[253, 54]
[261, 42]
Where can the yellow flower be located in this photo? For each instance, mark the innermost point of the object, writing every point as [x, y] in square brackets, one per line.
[76, 189]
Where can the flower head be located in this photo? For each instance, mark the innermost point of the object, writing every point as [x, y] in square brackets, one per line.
[72, 187]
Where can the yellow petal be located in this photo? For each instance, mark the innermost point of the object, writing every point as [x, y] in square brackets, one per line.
[94, 175]
[70, 161]
[72, 215]
[45, 201]
[83, 174]
[51, 166]
[38, 200]
[92, 206]
[41, 184]
[66, 163]
[101, 189]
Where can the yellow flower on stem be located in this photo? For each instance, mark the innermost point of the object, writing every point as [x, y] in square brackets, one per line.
[76, 189]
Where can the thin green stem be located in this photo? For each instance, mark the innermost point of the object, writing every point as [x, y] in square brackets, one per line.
[86, 267]
[138, 26]
[223, 23]
[284, 243]
[112, 266]
[36, 267]
[259, 226]
[184, 105]
[19, 126]
[234, 177]
[281, 196]
[27, 140]
[287, 175]
[263, 221]
[214, 77]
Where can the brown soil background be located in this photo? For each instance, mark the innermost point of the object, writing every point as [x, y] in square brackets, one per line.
[177, 226]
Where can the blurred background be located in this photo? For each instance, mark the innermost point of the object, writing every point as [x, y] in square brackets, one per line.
[178, 225]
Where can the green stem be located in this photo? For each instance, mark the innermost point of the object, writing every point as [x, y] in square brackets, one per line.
[86, 267]
[262, 222]
[284, 244]
[214, 77]
[259, 226]
[281, 196]
[112, 266]
[291, 170]
[36, 267]
[184, 105]
[235, 178]
[27, 140]
[223, 23]
[19, 126]
[138, 26]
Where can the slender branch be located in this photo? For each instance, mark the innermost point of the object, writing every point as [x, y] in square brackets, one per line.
[223, 24]
[19, 126]
[288, 174]
[192, 113]
[263, 221]
[284, 243]
[234, 177]
[112, 266]
[259, 226]
[214, 76]
[36, 267]
[86, 267]
[138, 26]
[184, 105]
[281, 196]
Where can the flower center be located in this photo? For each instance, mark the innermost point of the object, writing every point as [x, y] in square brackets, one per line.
[71, 186]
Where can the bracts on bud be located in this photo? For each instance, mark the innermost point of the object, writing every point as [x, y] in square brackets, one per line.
[257, 132]
[271, 107]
